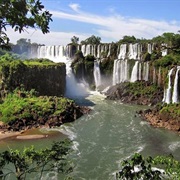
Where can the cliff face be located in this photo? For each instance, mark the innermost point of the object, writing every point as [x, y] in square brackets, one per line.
[47, 79]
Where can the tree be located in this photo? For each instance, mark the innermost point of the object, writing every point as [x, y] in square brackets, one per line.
[31, 161]
[128, 39]
[93, 40]
[74, 40]
[160, 167]
[21, 14]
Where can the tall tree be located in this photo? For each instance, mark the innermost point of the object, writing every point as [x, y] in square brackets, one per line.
[21, 14]
[74, 40]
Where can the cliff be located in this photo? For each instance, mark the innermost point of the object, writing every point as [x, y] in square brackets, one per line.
[46, 77]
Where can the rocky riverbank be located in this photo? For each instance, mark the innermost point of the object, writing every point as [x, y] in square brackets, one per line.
[140, 93]
[158, 118]
[146, 93]
[71, 113]
[22, 110]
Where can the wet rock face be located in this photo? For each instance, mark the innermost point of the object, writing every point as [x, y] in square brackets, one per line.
[163, 120]
[46, 80]
[145, 95]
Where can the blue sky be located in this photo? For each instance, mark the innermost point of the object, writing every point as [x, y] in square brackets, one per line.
[108, 19]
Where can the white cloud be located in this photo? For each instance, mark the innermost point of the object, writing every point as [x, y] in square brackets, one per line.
[116, 26]
[110, 28]
[52, 38]
[74, 7]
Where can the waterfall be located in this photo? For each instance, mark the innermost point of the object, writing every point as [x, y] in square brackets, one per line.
[175, 96]
[146, 71]
[167, 98]
[140, 68]
[74, 89]
[98, 51]
[122, 51]
[97, 73]
[120, 71]
[83, 49]
[115, 72]
[150, 48]
[134, 74]
[88, 50]
[109, 52]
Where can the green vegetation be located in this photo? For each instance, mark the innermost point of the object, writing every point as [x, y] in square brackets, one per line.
[32, 163]
[128, 39]
[93, 40]
[74, 40]
[167, 60]
[140, 89]
[106, 67]
[20, 15]
[160, 167]
[27, 105]
[172, 109]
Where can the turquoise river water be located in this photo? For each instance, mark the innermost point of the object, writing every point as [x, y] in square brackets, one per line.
[103, 138]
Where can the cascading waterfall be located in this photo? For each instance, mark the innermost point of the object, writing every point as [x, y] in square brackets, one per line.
[120, 71]
[122, 51]
[146, 71]
[97, 73]
[135, 51]
[167, 98]
[140, 69]
[134, 75]
[175, 96]
[115, 72]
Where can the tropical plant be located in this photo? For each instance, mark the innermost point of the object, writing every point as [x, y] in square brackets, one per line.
[160, 167]
[21, 165]
[21, 14]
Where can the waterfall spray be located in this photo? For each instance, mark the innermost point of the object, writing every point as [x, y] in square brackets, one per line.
[97, 74]
[175, 96]
[134, 75]
[168, 91]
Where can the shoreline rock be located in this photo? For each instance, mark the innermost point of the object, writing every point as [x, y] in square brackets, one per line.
[72, 113]
[154, 118]
[140, 93]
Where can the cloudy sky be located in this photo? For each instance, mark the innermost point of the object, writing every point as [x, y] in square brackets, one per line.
[108, 19]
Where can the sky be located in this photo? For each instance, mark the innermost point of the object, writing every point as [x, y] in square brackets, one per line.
[108, 19]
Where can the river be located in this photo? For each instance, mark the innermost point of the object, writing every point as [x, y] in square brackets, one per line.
[102, 139]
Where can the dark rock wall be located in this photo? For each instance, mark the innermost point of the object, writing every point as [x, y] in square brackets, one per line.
[47, 80]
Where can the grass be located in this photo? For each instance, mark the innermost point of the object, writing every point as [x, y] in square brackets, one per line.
[172, 109]
[140, 89]
[23, 104]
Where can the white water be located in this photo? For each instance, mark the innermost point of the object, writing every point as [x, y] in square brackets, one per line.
[175, 96]
[122, 51]
[134, 75]
[169, 89]
[120, 71]
[146, 71]
[135, 51]
[97, 74]
[150, 48]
